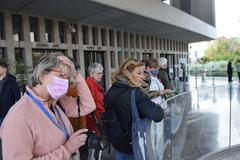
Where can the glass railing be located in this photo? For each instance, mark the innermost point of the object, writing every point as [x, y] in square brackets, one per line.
[197, 124]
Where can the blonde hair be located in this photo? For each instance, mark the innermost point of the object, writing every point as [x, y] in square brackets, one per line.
[48, 62]
[125, 70]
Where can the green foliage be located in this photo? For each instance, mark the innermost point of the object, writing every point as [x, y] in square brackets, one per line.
[223, 49]
[219, 68]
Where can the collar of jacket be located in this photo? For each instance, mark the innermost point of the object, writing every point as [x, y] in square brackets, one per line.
[122, 80]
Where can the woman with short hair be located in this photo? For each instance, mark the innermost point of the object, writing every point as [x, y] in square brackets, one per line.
[163, 73]
[37, 126]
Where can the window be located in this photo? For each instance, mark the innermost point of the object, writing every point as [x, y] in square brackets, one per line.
[160, 44]
[95, 35]
[126, 55]
[34, 32]
[19, 54]
[2, 34]
[125, 35]
[119, 39]
[62, 31]
[120, 57]
[76, 57]
[132, 55]
[143, 41]
[164, 44]
[17, 27]
[137, 41]
[167, 41]
[148, 42]
[49, 30]
[111, 37]
[138, 56]
[156, 43]
[74, 32]
[3, 56]
[85, 34]
[131, 40]
[113, 62]
[152, 43]
[103, 36]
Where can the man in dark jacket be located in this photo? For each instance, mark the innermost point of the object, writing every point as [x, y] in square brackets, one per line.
[229, 71]
[9, 91]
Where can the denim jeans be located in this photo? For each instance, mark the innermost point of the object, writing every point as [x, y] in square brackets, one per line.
[123, 156]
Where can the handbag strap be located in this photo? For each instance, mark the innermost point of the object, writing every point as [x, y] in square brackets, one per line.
[135, 114]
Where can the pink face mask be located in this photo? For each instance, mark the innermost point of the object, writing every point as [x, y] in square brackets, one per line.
[58, 87]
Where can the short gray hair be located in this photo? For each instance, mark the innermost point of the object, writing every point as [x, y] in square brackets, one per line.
[95, 67]
[45, 64]
[162, 61]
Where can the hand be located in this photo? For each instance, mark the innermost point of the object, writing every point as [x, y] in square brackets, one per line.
[76, 140]
[165, 91]
[69, 63]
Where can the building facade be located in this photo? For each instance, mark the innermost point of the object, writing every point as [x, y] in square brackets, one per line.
[103, 31]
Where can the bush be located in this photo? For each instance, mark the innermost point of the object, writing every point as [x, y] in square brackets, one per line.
[220, 68]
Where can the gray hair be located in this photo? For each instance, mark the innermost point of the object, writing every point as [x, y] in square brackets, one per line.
[45, 64]
[94, 68]
[162, 61]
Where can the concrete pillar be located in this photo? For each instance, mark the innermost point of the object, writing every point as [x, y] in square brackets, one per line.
[56, 31]
[90, 35]
[107, 37]
[99, 36]
[140, 41]
[107, 68]
[81, 51]
[10, 42]
[42, 30]
[28, 45]
[115, 38]
[69, 40]
[122, 39]
[134, 42]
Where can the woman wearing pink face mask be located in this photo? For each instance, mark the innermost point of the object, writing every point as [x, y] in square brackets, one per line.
[37, 126]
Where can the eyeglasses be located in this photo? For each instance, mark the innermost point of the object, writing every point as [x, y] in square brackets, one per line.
[99, 73]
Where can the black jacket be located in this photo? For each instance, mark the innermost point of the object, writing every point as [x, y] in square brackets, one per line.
[9, 94]
[122, 106]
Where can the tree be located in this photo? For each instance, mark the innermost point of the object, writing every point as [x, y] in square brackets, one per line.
[223, 49]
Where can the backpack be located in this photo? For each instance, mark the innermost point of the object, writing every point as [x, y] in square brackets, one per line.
[139, 127]
[112, 127]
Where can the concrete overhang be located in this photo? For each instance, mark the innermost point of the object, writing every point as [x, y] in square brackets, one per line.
[142, 16]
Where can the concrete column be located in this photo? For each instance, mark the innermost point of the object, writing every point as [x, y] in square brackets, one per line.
[145, 41]
[115, 38]
[107, 68]
[81, 51]
[107, 37]
[56, 31]
[28, 45]
[99, 36]
[42, 30]
[90, 35]
[122, 39]
[134, 41]
[116, 59]
[69, 40]
[10, 42]
[156, 43]
[140, 41]
[128, 39]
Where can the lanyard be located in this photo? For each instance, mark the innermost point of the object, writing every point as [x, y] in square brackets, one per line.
[63, 129]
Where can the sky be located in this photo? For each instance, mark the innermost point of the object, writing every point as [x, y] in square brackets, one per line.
[227, 15]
